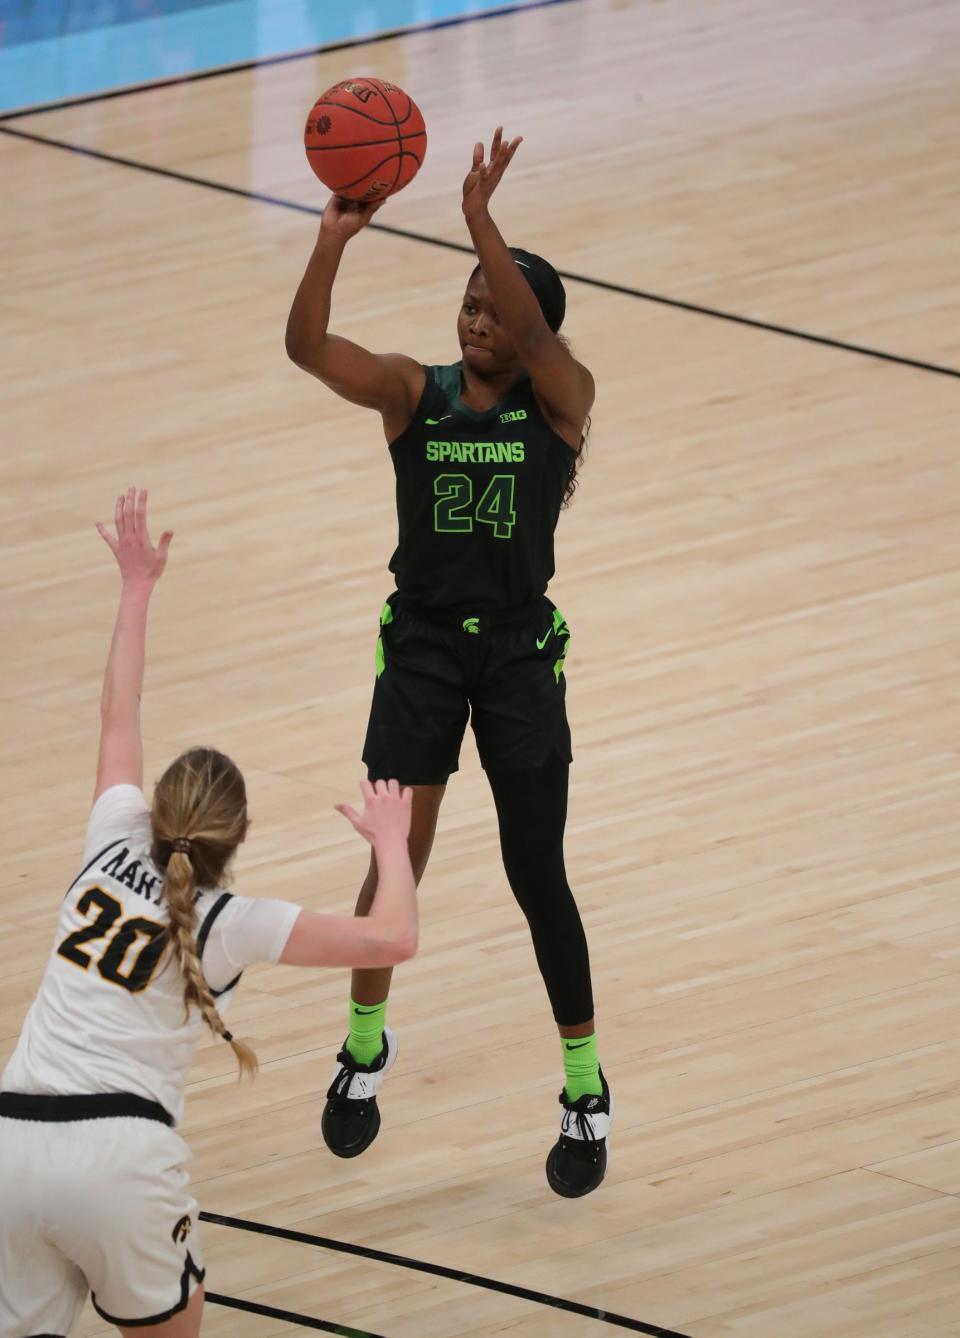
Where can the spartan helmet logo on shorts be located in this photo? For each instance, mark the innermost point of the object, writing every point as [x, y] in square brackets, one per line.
[182, 1230]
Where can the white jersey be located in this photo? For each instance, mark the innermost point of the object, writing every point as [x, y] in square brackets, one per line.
[109, 1015]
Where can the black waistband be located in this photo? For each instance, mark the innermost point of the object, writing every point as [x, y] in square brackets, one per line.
[457, 618]
[92, 1106]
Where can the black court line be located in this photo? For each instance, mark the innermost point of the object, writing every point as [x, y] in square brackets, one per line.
[454, 1274]
[454, 21]
[769, 326]
[751, 322]
[291, 1316]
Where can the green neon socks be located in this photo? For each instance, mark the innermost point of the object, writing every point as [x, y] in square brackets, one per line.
[365, 1039]
[581, 1066]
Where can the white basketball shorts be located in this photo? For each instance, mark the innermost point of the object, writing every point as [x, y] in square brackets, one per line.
[97, 1204]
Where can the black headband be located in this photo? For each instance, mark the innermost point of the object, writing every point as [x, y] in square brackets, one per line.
[546, 284]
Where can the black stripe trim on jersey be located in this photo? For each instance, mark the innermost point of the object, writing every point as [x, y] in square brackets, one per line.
[190, 1270]
[97, 856]
[210, 919]
[218, 994]
[48, 1108]
[204, 934]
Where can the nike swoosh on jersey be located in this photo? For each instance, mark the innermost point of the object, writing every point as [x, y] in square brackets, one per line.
[432, 422]
[542, 641]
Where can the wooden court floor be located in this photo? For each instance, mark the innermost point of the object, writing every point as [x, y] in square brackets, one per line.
[761, 573]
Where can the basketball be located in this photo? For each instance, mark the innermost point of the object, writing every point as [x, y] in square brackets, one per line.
[365, 139]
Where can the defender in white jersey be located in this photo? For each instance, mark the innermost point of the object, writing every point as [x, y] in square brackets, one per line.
[149, 947]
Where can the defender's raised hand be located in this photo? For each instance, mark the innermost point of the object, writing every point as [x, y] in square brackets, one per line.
[136, 556]
[387, 811]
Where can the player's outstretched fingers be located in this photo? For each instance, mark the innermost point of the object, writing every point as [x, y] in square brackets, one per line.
[107, 537]
[349, 813]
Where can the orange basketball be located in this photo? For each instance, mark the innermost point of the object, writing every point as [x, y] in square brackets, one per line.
[365, 139]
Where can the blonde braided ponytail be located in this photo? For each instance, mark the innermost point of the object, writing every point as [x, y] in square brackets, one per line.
[180, 891]
[199, 816]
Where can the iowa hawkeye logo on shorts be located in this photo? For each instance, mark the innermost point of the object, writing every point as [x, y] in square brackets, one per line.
[182, 1230]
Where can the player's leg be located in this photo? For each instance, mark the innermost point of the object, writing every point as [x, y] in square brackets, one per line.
[351, 1117]
[531, 811]
[417, 718]
[520, 721]
[41, 1291]
[119, 1210]
[370, 986]
[184, 1325]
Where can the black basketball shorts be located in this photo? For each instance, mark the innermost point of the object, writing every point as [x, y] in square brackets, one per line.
[435, 673]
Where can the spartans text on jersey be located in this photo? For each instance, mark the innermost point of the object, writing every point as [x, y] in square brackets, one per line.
[477, 452]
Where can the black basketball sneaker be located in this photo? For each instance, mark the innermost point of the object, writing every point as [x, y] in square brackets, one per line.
[351, 1119]
[577, 1162]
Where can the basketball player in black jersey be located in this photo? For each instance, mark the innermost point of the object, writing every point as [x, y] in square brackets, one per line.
[485, 453]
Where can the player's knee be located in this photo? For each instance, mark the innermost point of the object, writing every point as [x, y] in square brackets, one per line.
[543, 894]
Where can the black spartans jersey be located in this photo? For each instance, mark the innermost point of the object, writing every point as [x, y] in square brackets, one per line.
[478, 498]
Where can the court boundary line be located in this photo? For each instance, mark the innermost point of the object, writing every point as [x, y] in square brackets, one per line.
[604, 285]
[305, 53]
[290, 1316]
[442, 1271]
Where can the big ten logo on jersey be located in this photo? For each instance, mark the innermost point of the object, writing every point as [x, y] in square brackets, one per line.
[513, 416]
[360, 91]
[182, 1230]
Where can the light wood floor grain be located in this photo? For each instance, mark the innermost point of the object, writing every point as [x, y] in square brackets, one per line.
[761, 574]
